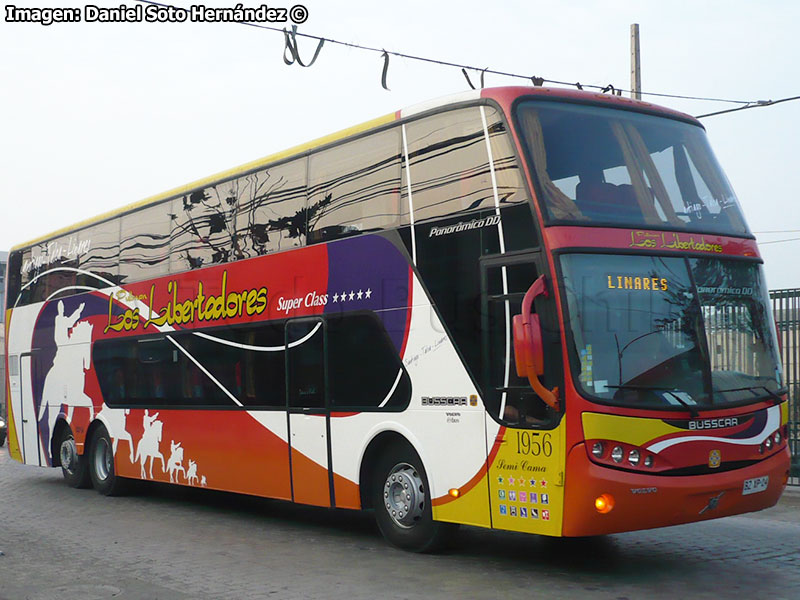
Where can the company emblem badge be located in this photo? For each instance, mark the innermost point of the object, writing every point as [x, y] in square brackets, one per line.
[714, 459]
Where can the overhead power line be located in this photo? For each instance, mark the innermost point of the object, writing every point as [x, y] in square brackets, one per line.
[291, 47]
[779, 241]
[758, 104]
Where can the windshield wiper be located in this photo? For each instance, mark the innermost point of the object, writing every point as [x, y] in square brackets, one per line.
[692, 408]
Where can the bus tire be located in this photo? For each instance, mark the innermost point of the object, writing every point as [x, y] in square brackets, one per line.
[402, 502]
[101, 465]
[74, 467]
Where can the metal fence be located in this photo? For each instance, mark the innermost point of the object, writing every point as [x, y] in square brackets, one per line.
[786, 308]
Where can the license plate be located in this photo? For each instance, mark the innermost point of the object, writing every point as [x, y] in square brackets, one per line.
[755, 485]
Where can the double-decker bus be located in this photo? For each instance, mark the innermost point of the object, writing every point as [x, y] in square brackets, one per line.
[526, 309]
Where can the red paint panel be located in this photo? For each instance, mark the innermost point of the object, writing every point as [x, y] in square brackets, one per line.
[287, 284]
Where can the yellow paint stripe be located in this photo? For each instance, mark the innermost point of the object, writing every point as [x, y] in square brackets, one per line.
[230, 173]
[629, 430]
[11, 429]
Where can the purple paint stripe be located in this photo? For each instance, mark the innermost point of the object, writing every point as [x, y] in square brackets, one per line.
[369, 273]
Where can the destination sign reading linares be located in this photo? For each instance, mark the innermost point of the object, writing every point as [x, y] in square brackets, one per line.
[226, 305]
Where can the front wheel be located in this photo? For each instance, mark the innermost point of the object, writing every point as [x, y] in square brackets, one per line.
[101, 465]
[73, 466]
[402, 502]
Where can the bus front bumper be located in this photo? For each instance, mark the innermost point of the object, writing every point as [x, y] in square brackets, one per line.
[644, 501]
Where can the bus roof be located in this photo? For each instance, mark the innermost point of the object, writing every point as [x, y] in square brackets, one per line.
[503, 95]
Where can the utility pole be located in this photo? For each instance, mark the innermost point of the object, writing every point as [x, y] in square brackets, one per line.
[636, 65]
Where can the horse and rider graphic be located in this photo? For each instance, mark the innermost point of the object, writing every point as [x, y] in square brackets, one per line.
[65, 382]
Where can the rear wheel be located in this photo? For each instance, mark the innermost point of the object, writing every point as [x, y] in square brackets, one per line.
[402, 502]
[73, 466]
[101, 465]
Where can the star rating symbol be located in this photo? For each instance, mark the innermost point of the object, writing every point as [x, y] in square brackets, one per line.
[500, 480]
[544, 483]
[510, 481]
[521, 483]
[533, 483]
[346, 296]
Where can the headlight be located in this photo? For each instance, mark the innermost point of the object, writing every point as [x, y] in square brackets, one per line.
[633, 457]
[616, 454]
[2, 423]
[598, 449]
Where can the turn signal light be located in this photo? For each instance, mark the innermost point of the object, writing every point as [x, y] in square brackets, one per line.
[454, 492]
[604, 503]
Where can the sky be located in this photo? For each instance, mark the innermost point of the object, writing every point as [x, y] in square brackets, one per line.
[94, 116]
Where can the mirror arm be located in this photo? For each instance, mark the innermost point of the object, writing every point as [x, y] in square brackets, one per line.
[550, 397]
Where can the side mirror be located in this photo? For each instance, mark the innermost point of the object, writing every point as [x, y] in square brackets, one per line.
[528, 347]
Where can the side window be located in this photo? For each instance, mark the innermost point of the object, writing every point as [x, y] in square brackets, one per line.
[144, 243]
[365, 370]
[270, 209]
[201, 229]
[156, 372]
[99, 262]
[449, 165]
[519, 232]
[15, 276]
[86, 259]
[305, 363]
[250, 362]
[355, 187]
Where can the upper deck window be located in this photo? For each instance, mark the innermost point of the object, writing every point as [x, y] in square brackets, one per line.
[622, 168]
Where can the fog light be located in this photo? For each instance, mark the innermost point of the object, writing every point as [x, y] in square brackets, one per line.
[633, 457]
[604, 503]
[777, 437]
[648, 461]
[616, 454]
[598, 449]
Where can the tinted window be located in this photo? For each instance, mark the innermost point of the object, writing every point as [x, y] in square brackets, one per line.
[144, 243]
[270, 209]
[305, 363]
[449, 164]
[614, 166]
[365, 370]
[243, 363]
[355, 187]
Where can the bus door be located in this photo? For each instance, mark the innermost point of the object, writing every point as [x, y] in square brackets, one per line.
[526, 457]
[308, 412]
[21, 383]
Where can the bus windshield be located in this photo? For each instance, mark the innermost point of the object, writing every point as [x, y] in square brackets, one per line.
[651, 331]
[607, 166]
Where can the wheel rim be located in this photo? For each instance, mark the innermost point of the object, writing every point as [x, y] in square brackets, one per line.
[68, 454]
[404, 495]
[103, 459]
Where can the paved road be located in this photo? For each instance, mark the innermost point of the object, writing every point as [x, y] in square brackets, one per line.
[171, 543]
